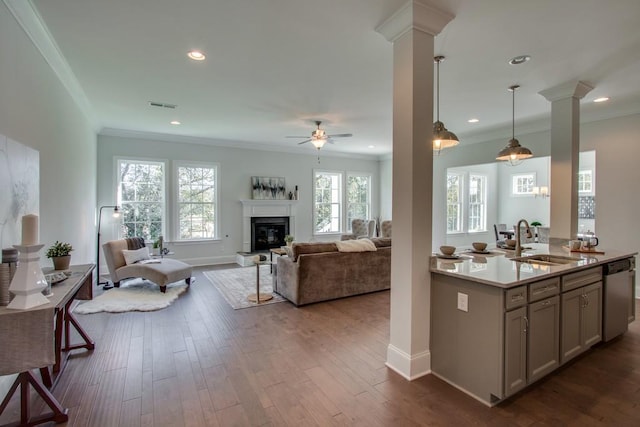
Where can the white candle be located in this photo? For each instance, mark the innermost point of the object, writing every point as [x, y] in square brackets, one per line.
[30, 230]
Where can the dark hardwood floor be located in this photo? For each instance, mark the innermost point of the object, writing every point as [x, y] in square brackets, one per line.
[201, 363]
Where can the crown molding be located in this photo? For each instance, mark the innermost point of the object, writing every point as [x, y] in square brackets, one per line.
[415, 14]
[243, 145]
[573, 89]
[33, 25]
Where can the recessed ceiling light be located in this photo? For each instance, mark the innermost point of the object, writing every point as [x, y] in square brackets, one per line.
[372, 146]
[473, 120]
[196, 55]
[175, 122]
[602, 99]
[519, 59]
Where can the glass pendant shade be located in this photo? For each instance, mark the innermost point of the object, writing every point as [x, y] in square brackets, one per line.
[514, 153]
[442, 138]
[318, 143]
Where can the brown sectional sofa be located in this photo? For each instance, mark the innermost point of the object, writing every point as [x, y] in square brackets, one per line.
[318, 272]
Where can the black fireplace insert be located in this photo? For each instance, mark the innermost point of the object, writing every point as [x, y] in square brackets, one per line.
[268, 232]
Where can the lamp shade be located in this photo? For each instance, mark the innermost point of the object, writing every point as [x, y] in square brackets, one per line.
[318, 142]
[443, 138]
[514, 153]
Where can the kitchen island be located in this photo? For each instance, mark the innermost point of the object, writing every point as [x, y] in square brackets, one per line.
[498, 324]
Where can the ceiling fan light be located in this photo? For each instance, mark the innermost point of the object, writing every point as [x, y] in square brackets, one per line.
[318, 142]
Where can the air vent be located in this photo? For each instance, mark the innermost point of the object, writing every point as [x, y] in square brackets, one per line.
[162, 105]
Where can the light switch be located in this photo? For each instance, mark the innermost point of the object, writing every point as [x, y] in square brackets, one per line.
[463, 302]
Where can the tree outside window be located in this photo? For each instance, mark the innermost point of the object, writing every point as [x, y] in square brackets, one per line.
[196, 199]
[141, 197]
[454, 203]
[477, 203]
[358, 198]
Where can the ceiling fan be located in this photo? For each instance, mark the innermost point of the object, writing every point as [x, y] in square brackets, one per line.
[319, 137]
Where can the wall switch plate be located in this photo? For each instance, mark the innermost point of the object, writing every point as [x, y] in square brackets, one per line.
[463, 302]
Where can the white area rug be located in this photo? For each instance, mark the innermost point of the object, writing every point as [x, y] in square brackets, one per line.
[235, 284]
[135, 295]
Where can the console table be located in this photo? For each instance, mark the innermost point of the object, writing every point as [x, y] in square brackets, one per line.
[36, 339]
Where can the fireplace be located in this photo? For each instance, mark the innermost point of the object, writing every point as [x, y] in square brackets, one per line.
[268, 232]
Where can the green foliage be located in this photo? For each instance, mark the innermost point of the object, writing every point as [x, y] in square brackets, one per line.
[288, 238]
[535, 224]
[59, 249]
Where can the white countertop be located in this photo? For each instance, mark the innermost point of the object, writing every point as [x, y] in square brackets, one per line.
[497, 268]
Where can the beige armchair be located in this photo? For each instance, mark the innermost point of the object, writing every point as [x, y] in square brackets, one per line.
[361, 228]
[385, 229]
[161, 273]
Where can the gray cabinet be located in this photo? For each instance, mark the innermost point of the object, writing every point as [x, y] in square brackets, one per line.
[532, 336]
[581, 320]
[515, 351]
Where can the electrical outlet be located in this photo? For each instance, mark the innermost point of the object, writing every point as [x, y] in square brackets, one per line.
[463, 302]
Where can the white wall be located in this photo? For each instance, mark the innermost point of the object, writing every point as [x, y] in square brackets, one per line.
[237, 166]
[37, 111]
[512, 207]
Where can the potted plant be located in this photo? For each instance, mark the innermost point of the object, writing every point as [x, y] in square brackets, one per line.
[60, 254]
[288, 239]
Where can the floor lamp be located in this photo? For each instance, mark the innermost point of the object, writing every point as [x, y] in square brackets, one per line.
[116, 214]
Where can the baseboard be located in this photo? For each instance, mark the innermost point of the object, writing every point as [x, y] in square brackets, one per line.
[409, 366]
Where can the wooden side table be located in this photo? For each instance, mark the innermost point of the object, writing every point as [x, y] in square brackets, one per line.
[257, 298]
[277, 251]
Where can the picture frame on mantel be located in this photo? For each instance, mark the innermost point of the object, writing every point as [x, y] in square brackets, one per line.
[268, 188]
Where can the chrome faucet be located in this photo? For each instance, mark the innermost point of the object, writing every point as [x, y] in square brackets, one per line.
[529, 235]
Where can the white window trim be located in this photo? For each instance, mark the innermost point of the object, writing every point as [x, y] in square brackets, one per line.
[116, 184]
[342, 202]
[465, 179]
[590, 192]
[514, 193]
[484, 203]
[174, 200]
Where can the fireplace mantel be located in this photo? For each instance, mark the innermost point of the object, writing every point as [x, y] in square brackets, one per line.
[265, 208]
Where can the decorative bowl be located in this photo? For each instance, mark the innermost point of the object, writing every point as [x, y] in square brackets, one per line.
[510, 242]
[447, 250]
[479, 246]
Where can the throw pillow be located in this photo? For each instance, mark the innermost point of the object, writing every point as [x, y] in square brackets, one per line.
[360, 245]
[133, 256]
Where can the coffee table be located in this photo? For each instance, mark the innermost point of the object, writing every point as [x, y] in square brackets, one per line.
[257, 297]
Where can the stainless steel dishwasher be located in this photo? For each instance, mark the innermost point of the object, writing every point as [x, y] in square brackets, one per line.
[619, 297]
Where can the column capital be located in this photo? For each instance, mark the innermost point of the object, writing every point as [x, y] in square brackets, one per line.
[572, 89]
[415, 14]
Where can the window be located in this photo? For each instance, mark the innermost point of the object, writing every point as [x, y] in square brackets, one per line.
[466, 202]
[327, 202]
[196, 201]
[585, 181]
[141, 197]
[523, 184]
[454, 203]
[477, 203]
[358, 197]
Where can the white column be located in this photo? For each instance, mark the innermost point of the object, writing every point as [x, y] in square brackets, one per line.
[411, 30]
[565, 154]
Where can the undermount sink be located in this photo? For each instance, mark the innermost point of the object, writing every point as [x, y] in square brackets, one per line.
[546, 259]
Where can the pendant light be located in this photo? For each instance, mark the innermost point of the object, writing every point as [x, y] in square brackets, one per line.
[514, 153]
[442, 138]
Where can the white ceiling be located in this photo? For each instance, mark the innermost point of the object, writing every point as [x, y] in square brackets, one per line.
[275, 66]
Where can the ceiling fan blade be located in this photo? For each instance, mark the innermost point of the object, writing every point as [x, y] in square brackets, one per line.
[304, 142]
[289, 136]
[340, 135]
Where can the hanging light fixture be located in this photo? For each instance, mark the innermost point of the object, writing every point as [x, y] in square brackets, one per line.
[514, 153]
[442, 138]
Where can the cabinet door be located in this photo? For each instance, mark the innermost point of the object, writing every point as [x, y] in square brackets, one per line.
[632, 296]
[543, 338]
[592, 315]
[572, 302]
[515, 351]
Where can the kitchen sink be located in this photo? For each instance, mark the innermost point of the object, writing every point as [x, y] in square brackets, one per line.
[546, 259]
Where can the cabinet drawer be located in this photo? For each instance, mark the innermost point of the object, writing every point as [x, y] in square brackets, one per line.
[515, 297]
[581, 278]
[544, 289]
